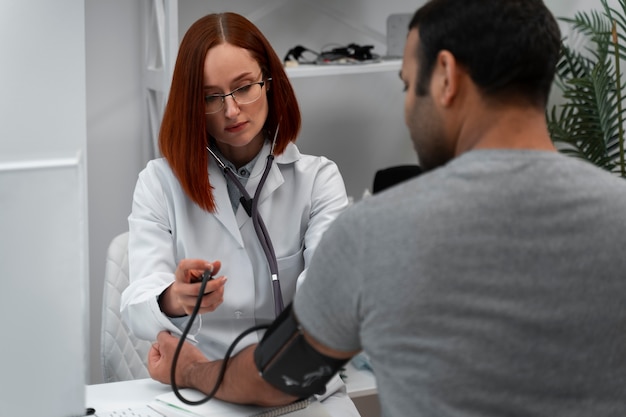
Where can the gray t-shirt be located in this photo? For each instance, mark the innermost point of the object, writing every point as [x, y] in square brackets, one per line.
[493, 286]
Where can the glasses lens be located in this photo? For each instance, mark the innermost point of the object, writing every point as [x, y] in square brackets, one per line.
[213, 104]
[242, 95]
[248, 93]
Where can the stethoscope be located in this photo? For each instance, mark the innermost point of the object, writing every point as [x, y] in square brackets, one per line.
[250, 205]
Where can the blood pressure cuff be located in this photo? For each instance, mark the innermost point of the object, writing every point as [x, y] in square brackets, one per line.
[288, 362]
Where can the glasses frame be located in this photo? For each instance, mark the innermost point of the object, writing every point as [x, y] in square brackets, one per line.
[232, 94]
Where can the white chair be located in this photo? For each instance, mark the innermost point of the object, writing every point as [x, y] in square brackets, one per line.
[123, 356]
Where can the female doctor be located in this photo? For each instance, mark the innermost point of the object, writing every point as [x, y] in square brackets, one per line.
[230, 107]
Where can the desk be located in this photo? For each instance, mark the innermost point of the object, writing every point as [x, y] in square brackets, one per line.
[125, 394]
[119, 395]
[359, 383]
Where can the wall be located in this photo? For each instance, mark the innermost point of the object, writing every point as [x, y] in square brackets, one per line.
[118, 146]
[116, 149]
[43, 208]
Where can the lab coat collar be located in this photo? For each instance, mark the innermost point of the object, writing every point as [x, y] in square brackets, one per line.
[290, 155]
[274, 180]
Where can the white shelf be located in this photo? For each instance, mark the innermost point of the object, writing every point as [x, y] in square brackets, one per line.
[312, 70]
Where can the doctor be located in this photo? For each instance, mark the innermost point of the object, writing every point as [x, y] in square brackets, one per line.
[230, 105]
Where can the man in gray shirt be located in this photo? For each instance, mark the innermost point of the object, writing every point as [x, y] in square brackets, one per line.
[493, 284]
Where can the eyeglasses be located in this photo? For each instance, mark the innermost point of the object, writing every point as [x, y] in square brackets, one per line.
[245, 94]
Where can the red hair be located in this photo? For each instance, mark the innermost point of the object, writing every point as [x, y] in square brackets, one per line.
[183, 137]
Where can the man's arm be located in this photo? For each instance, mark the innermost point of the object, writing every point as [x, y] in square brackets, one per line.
[242, 383]
[325, 350]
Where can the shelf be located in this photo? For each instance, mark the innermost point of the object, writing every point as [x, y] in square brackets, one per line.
[312, 70]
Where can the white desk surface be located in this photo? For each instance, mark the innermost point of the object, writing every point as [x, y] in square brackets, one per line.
[359, 383]
[120, 395]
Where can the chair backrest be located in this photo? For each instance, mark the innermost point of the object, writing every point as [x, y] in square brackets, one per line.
[391, 176]
[123, 356]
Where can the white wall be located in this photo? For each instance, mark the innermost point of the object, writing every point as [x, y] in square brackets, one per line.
[118, 144]
[116, 147]
[43, 208]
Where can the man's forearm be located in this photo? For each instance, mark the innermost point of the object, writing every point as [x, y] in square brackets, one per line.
[242, 382]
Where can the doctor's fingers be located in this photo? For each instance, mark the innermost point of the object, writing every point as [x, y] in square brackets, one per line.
[210, 301]
[186, 295]
[191, 270]
[192, 289]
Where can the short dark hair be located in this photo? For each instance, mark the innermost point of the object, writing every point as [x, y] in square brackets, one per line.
[508, 47]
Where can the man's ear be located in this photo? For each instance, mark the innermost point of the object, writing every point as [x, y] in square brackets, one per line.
[446, 77]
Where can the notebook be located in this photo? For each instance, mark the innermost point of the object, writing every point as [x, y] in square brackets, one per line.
[170, 406]
[138, 411]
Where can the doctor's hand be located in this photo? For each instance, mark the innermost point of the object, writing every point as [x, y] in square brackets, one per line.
[179, 299]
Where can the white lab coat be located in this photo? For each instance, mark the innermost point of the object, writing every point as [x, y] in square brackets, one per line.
[303, 194]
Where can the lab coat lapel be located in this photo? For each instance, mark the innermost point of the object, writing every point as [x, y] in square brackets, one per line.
[224, 213]
[274, 179]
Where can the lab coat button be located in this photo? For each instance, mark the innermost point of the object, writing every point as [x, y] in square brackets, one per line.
[238, 314]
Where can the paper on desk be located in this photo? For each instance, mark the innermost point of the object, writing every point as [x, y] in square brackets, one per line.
[170, 406]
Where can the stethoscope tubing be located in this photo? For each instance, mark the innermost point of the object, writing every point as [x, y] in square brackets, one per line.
[259, 225]
[266, 241]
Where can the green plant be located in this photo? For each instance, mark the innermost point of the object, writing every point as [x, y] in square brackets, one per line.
[589, 124]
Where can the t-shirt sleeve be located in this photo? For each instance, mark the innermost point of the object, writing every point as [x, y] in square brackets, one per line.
[327, 302]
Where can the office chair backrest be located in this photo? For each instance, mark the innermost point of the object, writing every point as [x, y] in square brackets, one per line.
[123, 356]
[391, 176]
